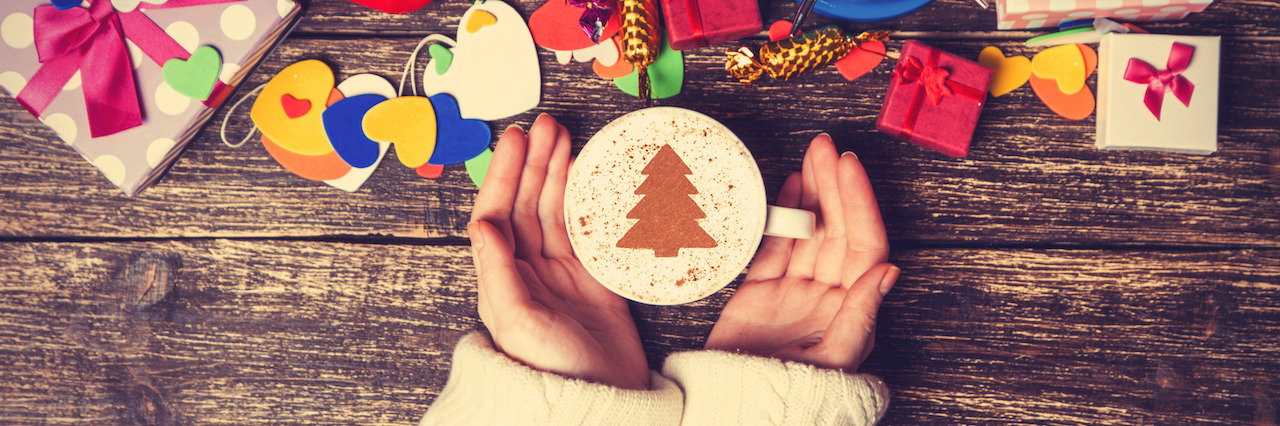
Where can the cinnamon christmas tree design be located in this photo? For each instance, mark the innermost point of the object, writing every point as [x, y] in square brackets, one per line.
[668, 216]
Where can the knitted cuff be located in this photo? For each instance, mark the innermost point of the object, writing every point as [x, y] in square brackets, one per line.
[729, 388]
[487, 387]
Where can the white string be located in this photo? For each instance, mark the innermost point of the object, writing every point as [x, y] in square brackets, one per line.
[413, 63]
[231, 111]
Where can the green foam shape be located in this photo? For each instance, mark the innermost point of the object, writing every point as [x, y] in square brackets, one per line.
[478, 166]
[666, 75]
[194, 77]
[442, 56]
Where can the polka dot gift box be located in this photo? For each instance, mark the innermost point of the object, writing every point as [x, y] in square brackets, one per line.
[1021, 14]
[128, 83]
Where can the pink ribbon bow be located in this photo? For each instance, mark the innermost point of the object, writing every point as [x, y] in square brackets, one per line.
[1141, 72]
[933, 79]
[92, 41]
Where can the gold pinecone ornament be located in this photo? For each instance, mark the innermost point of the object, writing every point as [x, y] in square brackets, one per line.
[641, 40]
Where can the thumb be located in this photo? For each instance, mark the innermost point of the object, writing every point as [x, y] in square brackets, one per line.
[852, 332]
[501, 289]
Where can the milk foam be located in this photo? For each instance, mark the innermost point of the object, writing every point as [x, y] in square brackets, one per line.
[601, 191]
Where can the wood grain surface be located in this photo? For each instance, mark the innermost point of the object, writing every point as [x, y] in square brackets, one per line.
[1044, 281]
[1032, 178]
[283, 332]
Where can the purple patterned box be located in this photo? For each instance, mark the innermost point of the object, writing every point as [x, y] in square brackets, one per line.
[242, 31]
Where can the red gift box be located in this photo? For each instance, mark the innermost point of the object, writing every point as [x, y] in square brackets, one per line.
[691, 23]
[934, 99]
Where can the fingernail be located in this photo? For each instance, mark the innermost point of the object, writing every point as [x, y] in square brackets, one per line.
[828, 135]
[513, 126]
[848, 153]
[473, 232]
[890, 277]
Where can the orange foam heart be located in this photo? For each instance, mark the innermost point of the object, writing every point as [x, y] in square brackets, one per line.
[1075, 106]
[297, 130]
[313, 167]
[1064, 64]
[1011, 72]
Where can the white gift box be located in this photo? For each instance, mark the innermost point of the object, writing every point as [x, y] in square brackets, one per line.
[1124, 119]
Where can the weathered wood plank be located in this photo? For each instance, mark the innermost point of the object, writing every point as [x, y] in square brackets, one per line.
[1031, 178]
[1225, 17]
[272, 332]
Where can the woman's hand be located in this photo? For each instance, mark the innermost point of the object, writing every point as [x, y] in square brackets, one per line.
[815, 300]
[539, 304]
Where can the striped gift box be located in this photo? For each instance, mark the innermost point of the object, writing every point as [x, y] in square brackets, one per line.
[1023, 14]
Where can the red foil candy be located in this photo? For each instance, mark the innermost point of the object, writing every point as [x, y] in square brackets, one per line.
[693, 23]
[934, 99]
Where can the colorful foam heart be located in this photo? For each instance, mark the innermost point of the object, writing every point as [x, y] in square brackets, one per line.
[1074, 106]
[311, 167]
[457, 139]
[1011, 72]
[309, 81]
[194, 77]
[555, 26]
[666, 75]
[343, 123]
[429, 171]
[494, 71]
[294, 107]
[779, 30]
[66, 4]
[620, 68]
[441, 56]
[1064, 64]
[479, 19]
[861, 61]
[479, 166]
[408, 122]
[393, 6]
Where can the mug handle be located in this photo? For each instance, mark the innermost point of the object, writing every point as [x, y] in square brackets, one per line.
[789, 223]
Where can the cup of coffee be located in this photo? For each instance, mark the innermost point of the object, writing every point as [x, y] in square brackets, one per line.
[666, 206]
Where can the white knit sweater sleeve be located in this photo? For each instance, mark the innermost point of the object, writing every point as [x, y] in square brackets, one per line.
[486, 387]
[729, 388]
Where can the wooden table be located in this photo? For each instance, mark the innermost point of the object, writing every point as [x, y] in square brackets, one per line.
[1043, 281]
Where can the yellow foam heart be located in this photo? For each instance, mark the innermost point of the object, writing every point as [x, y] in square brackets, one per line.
[310, 81]
[409, 122]
[1064, 64]
[1011, 72]
[480, 19]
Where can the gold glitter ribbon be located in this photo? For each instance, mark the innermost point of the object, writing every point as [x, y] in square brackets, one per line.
[787, 58]
[640, 38]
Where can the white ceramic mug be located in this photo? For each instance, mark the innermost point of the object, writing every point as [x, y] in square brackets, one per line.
[667, 206]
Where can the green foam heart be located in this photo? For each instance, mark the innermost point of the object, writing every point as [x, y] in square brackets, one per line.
[479, 166]
[194, 77]
[442, 56]
[666, 75]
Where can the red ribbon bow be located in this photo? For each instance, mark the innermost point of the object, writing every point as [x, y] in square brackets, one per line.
[933, 79]
[92, 41]
[1141, 72]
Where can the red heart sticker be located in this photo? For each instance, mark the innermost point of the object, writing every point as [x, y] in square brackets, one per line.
[294, 107]
[861, 61]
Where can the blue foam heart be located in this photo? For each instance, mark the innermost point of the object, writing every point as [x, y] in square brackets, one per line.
[457, 139]
[65, 4]
[343, 124]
